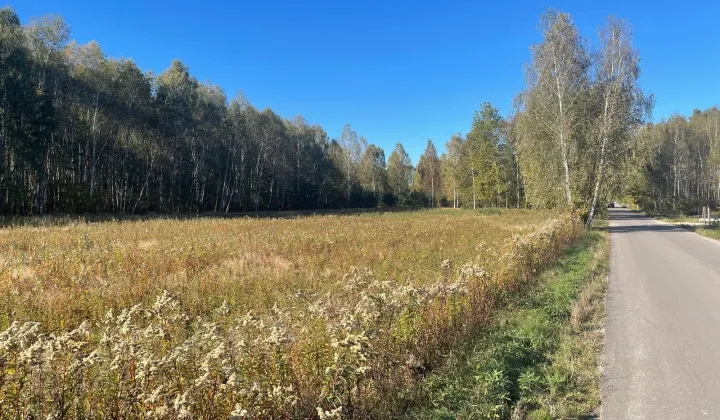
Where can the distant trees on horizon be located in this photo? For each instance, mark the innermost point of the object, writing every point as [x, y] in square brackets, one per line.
[675, 167]
[81, 132]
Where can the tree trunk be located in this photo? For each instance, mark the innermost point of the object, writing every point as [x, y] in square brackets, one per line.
[473, 188]
[455, 203]
[94, 135]
[566, 166]
[432, 191]
[596, 191]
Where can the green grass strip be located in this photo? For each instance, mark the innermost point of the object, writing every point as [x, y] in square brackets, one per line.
[539, 358]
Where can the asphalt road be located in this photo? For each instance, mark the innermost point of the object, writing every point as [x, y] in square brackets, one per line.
[662, 337]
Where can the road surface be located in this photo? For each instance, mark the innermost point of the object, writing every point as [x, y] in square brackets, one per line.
[662, 337]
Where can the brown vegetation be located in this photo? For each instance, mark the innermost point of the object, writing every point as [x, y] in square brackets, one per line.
[252, 317]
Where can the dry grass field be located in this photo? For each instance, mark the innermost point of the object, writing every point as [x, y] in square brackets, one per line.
[61, 276]
[251, 317]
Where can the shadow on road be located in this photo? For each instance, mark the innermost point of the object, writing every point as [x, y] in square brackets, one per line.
[644, 228]
[626, 216]
[642, 223]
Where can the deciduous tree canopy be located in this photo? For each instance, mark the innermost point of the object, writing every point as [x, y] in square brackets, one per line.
[578, 118]
[81, 132]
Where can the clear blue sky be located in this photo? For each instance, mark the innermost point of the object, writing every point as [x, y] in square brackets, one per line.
[397, 71]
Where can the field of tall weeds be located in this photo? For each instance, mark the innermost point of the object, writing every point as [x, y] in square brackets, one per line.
[322, 316]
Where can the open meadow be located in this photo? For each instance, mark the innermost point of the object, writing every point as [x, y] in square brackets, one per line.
[286, 317]
[63, 275]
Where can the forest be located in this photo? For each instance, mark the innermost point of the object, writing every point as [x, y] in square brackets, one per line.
[675, 167]
[81, 132]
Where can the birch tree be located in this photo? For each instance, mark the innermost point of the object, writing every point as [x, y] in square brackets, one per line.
[399, 172]
[373, 175]
[354, 148]
[557, 78]
[622, 102]
[451, 167]
[427, 174]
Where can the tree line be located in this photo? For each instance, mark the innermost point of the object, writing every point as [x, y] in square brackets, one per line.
[676, 166]
[81, 132]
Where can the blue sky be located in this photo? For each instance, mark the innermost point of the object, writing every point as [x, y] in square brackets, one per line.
[397, 71]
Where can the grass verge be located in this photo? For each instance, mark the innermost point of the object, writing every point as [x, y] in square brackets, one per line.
[711, 231]
[539, 359]
[670, 218]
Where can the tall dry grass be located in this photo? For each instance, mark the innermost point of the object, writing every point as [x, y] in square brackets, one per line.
[310, 317]
[61, 276]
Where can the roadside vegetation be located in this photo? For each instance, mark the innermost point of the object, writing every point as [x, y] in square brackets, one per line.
[676, 219]
[712, 232]
[673, 218]
[691, 223]
[540, 357]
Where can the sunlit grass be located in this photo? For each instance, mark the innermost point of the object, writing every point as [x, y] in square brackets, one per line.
[324, 316]
[540, 358]
[64, 275]
[712, 232]
[679, 219]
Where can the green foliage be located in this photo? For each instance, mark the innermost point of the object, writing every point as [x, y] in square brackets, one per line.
[525, 364]
[427, 175]
[400, 173]
[577, 121]
[480, 170]
[81, 132]
[676, 167]
[482, 158]
[451, 171]
[373, 173]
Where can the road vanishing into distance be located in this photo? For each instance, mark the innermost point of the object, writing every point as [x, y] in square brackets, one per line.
[662, 337]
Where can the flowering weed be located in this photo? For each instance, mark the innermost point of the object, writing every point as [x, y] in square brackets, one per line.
[149, 319]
